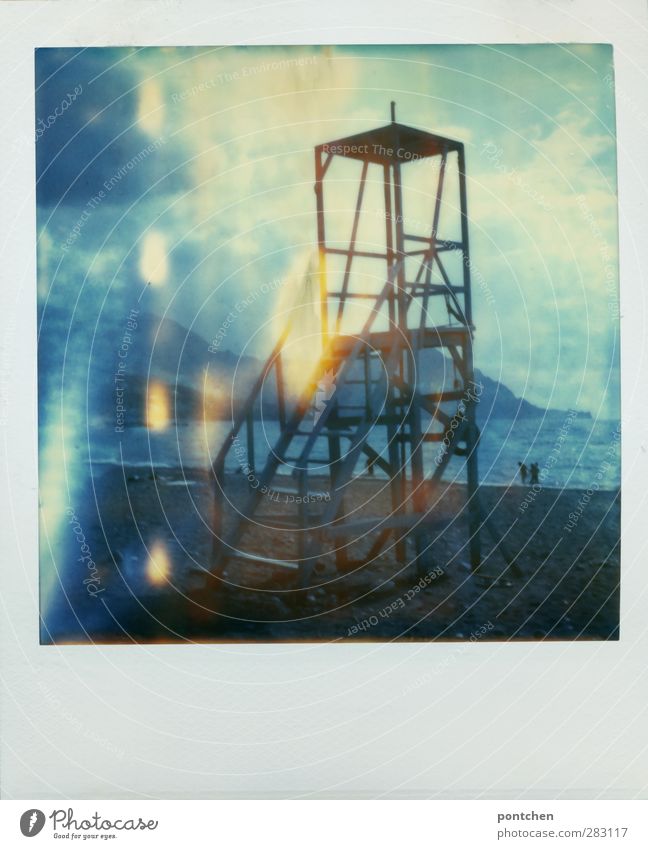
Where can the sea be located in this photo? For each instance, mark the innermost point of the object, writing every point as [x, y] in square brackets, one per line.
[572, 452]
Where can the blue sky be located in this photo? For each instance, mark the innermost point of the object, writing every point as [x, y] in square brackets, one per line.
[208, 155]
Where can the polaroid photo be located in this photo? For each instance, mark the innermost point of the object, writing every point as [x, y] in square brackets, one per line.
[317, 362]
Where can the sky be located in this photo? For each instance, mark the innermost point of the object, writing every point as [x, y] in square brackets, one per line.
[180, 181]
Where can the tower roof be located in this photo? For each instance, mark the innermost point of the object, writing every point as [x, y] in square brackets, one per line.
[393, 142]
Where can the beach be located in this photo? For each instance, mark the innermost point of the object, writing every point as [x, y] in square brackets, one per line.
[150, 543]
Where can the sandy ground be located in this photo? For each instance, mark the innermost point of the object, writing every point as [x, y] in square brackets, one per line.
[151, 543]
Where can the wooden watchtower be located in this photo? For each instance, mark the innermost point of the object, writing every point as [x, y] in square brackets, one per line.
[394, 301]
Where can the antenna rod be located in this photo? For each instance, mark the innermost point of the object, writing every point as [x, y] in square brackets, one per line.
[393, 111]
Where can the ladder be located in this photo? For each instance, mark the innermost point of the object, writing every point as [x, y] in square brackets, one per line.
[327, 440]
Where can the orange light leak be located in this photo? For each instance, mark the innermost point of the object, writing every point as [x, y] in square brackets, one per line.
[158, 567]
[154, 262]
[150, 107]
[215, 397]
[158, 408]
[298, 300]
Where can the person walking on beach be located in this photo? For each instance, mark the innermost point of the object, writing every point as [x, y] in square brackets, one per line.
[535, 471]
[523, 472]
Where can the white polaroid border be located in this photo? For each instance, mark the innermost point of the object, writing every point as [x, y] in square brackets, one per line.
[504, 720]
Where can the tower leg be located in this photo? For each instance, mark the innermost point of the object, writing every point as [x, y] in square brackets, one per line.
[419, 501]
[396, 483]
[341, 559]
[474, 512]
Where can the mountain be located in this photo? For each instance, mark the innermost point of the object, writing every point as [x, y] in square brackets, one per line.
[141, 354]
[494, 399]
[114, 369]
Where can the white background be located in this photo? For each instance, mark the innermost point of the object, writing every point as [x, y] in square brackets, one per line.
[491, 720]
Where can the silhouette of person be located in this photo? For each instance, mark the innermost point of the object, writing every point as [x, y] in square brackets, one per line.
[535, 471]
[523, 472]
